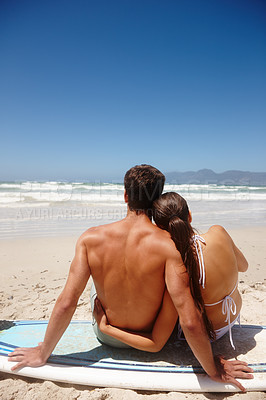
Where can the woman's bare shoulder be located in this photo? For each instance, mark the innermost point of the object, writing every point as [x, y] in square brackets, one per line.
[218, 229]
[219, 233]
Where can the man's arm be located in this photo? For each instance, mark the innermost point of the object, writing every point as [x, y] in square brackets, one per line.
[62, 313]
[191, 321]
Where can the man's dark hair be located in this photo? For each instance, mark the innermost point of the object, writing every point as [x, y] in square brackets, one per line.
[143, 184]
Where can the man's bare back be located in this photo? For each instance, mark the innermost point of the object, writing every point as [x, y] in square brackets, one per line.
[127, 263]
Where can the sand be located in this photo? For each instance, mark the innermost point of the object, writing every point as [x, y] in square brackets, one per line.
[33, 273]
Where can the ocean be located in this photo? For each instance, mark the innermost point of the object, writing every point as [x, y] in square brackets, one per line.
[32, 208]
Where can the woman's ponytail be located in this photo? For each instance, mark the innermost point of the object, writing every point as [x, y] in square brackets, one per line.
[171, 213]
[181, 233]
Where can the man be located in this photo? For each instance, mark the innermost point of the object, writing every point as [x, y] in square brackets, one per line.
[130, 262]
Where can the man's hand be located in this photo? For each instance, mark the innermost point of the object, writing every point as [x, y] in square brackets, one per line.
[230, 370]
[99, 314]
[27, 357]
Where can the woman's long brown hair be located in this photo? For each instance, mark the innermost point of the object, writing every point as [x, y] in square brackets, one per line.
[171, 213]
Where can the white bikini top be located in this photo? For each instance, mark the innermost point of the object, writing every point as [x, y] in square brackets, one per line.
[228, 303]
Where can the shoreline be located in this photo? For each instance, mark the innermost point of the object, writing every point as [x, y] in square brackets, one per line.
[68, 218]
[33, 273]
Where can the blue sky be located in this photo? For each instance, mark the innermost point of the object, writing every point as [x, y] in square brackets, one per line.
[90, 88]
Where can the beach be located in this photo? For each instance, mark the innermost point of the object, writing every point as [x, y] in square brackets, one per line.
[35, 257]
[33, 273]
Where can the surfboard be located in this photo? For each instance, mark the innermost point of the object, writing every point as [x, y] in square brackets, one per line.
[80, 358]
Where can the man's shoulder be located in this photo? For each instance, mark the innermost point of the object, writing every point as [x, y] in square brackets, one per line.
[165, 247]
[161, 239]
[161, 234]
[95, 233]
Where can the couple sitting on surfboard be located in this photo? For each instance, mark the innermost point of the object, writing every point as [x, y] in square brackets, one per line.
[146, 277]
[212, 261]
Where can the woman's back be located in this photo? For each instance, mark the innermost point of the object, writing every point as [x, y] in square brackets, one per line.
[222, 261]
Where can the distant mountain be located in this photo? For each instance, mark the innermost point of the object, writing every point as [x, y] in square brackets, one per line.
[207, 176]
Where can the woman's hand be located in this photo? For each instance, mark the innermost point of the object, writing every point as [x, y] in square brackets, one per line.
[99, 314]
[230, 370]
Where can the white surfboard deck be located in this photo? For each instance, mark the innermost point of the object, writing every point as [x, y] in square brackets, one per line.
[80, 359]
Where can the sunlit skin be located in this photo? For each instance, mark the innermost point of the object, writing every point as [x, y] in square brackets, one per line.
[223, 260]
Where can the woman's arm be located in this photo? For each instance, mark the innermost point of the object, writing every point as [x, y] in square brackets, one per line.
[241, 260]
[152, 341]
[242, 264]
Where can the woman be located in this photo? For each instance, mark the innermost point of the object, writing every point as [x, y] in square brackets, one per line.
[212, 261]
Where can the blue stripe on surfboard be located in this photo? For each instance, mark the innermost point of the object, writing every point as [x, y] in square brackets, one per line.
[113, 365]
[257, 368]
[105, 364]
[8, 345]
[45, 322]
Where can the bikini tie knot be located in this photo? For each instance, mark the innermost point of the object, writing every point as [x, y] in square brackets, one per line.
[228, 307]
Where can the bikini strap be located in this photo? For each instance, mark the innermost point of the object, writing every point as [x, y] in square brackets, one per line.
[234, 288]
[197, 240]
[220, 301]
